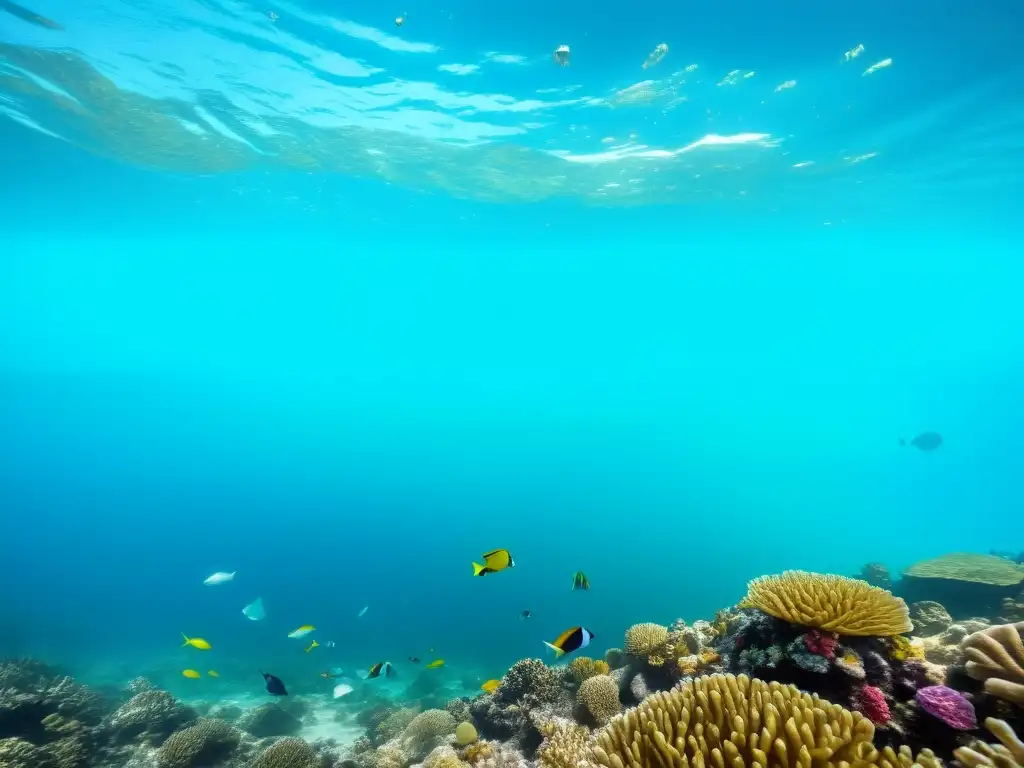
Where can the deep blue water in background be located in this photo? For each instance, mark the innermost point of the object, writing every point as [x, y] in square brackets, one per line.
[346, 390]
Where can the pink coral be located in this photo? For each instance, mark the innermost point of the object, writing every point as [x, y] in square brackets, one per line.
[951, 707]
[871, 703]
[821, 643]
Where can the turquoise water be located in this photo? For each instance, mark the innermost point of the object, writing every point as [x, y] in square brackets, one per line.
[340, 305]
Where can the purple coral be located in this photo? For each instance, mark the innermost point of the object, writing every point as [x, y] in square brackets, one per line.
[951, 707]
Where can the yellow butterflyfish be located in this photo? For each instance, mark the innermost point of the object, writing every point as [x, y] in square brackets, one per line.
[191, 674]
[435, 664]
[491, 685]
[494, 561]
[195, 642]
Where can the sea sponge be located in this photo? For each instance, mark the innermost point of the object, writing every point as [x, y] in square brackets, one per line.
[465, 733]
[967, 566]
[287, 753]
[903, 649]
[564, 746]
[726, 720]
[948, 705]
[599, 695]
[996, 655]
[205, 743]
[831, 603]
[648, 641]
[1009, 753]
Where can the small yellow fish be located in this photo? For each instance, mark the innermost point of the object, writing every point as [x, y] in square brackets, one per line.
[491, 686]
[302, 631]
[195, 642]
[212, 673]
[313, 645]
[191, 674]
[494, 561]
[435, 664]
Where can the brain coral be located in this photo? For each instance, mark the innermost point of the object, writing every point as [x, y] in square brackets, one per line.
[599, 695]
[287, 753]
[205, 743]
[648, 641]
[833, 603]
[426, 728]
[966, 566]
[723, 720]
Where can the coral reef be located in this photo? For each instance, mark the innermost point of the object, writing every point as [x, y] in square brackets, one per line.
[583, 667]
[966, 584]
[831, 603]
[599, 697]
[929, 618]
[270, 719]
[996, 656]
[1008, 753]
[149, 717]
[205, 743]
[743, 720]
[287, 753]
[876, 574]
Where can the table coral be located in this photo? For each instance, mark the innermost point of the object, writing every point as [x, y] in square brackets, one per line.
[831, 603]
[950, 706]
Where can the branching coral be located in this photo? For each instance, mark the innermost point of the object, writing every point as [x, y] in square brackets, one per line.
[564, 746]
[650, 642]
[529, 676]
[1008, 753]
[831, 603]
[996, 655]
[599, 695]
[151, 715]
[583, 667]
[287, 753]
[205, 743]
[736, 721]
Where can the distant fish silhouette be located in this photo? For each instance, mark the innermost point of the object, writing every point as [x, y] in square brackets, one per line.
[274, 685]
[255, 611]
[26, 15]
[926, 441]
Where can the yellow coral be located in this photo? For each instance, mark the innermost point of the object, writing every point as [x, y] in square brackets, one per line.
[648, 641]
[465, 733]
[901, 649]
[565, 745]
[688, 665]
[735, 721]
[601, 667]
[709, 656]
[600, 696]
[831, 603]
[996, 655]
[581, 668]
[481, 750]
